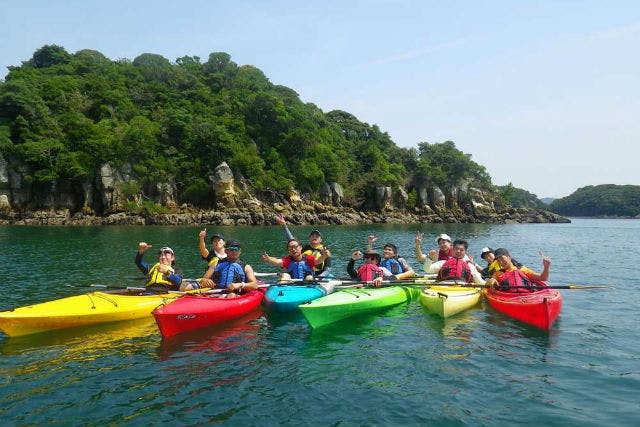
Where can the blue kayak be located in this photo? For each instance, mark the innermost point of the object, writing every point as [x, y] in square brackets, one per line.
[282, 298]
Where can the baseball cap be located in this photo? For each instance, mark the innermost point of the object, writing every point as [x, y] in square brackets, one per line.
[501, 251]
[315, 232]
[166, 249]
[229, 243]
[485, 251]
[217, 236]
[443, 237]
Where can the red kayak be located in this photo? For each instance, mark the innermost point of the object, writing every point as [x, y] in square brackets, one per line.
[540, 308]
[197, 311]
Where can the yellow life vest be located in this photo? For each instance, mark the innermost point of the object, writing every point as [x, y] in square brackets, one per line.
[155, 277]
[316, 253]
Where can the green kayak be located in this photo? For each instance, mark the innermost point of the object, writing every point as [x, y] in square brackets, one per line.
[350, 302]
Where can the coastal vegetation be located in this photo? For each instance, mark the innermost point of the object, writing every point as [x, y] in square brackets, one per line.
[65, 115]
[519, 198]
[607, 200]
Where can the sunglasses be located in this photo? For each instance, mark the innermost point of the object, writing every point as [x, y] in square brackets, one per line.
[293, 247]
[233, 248]
[370, 257]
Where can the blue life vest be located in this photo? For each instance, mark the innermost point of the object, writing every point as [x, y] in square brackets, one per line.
[299, 269]
[392, 264]
[227, 272]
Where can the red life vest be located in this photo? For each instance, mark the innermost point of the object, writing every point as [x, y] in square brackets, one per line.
[455, 269]
[443, 256]
[515, 281]
[368, 272]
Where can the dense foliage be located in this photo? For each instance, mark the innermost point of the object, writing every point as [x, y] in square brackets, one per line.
[600, 200]
[519, 198]
[66, 114]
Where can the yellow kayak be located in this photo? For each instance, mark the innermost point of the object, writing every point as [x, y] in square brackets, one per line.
[446, 301]
[81, 310]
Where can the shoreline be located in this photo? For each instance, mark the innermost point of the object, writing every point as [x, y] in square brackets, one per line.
[261, 217]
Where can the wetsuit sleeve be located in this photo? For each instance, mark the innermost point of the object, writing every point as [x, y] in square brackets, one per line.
[176, 277]
[142, 266]
[287, 233]
[327, 262]
[351, 269]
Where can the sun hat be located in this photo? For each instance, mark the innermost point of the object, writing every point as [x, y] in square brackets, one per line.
[372, 253]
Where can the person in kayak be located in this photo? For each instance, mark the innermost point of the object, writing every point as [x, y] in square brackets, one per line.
[489, 257]
[217, 251]
[230, 273]
[162, 276]
[314, 247]
[399, 267]
[513, 279]
[444, 253]
[369, 271]
[459, 268]
[297, 264]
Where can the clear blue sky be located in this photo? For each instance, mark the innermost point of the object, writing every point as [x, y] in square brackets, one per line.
[544, 94]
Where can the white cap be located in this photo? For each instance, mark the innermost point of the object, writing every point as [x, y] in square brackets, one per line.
[485, 250]
[444, 237]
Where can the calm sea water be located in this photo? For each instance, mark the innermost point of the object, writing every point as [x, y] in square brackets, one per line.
[399, 367]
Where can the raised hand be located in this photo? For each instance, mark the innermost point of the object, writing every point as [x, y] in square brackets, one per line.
[143, 246]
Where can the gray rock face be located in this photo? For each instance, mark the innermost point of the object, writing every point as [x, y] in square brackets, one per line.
[382, 199]
[106, 201]
[223, 185]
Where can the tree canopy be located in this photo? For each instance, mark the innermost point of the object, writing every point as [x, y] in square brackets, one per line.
[66, 114]
[600, 200]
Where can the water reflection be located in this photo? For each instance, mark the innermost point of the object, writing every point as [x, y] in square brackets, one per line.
[221, 338]
[82, 341]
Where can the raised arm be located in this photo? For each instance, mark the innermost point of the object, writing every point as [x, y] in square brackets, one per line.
[287, 232]
[202, 246]
[370, 240]
[271, 260]
[351, 265]
[419, 255]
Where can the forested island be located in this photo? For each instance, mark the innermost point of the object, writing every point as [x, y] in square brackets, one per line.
[85, 139]
[607, 200]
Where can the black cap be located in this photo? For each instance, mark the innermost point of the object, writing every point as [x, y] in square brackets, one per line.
[232, 243]
[219, 236]
[501, 251]
[315, 232]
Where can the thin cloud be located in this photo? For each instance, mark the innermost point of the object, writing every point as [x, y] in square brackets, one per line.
[616, 32]
[418, 53]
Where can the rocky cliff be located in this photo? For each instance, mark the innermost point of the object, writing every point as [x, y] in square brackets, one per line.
[115, 196]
